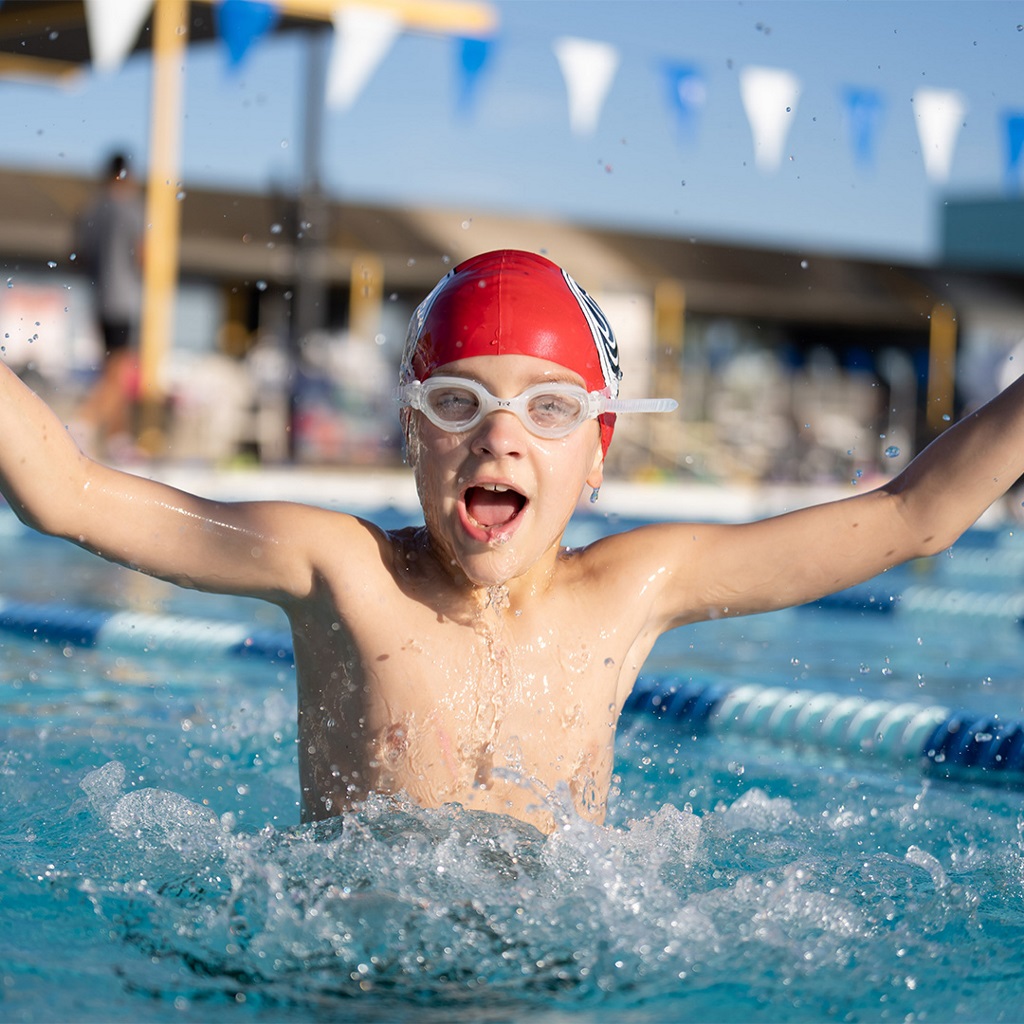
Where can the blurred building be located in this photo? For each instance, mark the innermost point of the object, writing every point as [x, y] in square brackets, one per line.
[787, 365]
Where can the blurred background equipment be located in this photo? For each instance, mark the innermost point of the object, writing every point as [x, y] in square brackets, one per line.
[819, 258]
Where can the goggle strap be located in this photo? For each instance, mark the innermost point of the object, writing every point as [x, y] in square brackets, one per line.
[639, 405]
[404, 392]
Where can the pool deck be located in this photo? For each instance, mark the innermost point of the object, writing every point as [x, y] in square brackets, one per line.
[355, 490]
[358, 490]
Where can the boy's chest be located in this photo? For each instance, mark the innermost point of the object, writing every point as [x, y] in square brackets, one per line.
[536, 672]
[454, 716]
[448, 709]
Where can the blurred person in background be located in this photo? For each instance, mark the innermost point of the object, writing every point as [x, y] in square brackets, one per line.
[109, 242]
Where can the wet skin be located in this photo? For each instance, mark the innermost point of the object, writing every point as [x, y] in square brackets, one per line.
[475, 660]
[495, 687]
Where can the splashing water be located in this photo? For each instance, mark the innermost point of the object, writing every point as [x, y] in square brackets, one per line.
[149, 868]
[400, 913]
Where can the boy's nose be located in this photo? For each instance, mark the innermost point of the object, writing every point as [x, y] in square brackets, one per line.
[501, 433]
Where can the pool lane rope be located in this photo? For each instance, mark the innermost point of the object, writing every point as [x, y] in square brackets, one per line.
[141, 632]
[983, 747]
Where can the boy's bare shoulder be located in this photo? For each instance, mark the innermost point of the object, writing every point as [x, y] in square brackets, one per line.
[640, 547]
[666, 566]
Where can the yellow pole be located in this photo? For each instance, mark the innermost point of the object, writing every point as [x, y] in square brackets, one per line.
[366, 296]
[941, 367]
[160, 266]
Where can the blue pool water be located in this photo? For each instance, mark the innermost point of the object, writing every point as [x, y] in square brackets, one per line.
[151, 867]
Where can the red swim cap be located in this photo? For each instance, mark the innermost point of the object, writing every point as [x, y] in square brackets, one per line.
[514, 303]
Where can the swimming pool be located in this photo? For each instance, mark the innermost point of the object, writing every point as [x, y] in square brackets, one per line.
[152, 868]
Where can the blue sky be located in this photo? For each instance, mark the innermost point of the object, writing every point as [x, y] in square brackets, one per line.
[405, 141]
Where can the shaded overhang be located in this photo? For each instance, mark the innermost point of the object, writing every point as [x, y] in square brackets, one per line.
[233, 236]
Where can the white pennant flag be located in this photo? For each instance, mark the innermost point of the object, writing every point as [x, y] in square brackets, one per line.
[769, 98]
[588, 68]
[362, 38]
[113, 27]
[939, 114]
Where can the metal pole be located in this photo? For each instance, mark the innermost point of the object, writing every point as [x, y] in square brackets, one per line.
[311, 229]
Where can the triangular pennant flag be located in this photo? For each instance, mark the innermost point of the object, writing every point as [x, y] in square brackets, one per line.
[588, 68]
[687, 93]
[473, 55]
[113, 27]
[1014, 148]
[362, 38]
[769, 99]
[939, 114]
[241, 23]
[863, 108]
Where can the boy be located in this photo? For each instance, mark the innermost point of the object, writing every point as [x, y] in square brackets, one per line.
[474, 660]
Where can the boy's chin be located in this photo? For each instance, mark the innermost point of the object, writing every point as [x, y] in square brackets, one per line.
[489, 571]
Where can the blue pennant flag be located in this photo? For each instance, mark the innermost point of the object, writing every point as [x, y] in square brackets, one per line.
[473, 55]
[241, 23]
[864, 108]
[1014, 121]
[687, 94]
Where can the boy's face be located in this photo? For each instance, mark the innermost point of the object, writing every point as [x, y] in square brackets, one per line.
[496, 498]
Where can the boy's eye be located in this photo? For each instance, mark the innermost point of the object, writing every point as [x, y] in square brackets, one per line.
[454, 404]
[554, 409]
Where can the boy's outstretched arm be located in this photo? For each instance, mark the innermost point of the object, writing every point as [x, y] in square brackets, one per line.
[260, 549]
[803, 555]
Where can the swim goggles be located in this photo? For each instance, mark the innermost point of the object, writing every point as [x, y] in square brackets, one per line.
[554, 409]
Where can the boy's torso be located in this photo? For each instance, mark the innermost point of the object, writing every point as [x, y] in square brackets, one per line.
[409, 684]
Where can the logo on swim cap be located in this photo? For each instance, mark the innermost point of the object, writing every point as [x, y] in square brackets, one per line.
[604, 338]
[510, 302]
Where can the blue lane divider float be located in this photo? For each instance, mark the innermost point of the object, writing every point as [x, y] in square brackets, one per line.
[982, 747]
[951, 742]
[140, 631]
[930, 600]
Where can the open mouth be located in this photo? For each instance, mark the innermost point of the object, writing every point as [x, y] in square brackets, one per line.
[491, 505]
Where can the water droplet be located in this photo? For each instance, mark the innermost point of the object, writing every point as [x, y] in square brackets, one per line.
[467, 224]
[804, 264]
[946, 417]
[10, 282]
[261, 285]
[892, 451]
[52, 264]
[275, 229]
[180, 194]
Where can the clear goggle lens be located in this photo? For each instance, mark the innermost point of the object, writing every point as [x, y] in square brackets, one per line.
[551, 410]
